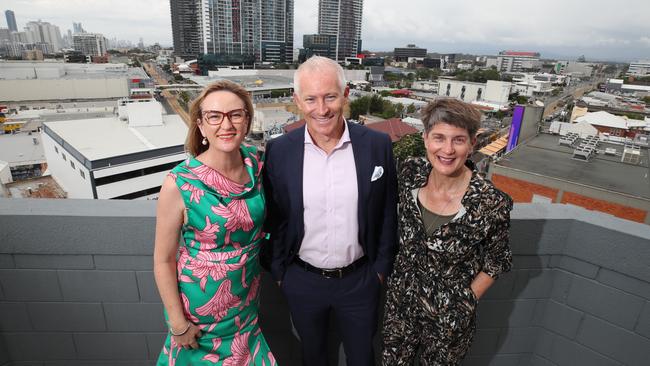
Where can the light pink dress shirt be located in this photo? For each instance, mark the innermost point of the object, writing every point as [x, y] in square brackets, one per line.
[330, 198]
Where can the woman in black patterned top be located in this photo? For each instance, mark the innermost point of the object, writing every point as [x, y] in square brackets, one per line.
[454, 229]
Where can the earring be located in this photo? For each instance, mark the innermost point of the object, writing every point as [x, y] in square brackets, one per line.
[204, 141]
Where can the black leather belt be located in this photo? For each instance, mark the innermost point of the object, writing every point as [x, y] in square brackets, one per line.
[332, 272]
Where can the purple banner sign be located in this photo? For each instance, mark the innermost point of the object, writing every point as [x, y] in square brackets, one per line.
[515, 127]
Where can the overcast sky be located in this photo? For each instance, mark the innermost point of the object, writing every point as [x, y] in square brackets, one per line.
[600, 30]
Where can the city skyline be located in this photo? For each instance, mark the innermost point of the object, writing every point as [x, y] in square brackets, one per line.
[569, 30]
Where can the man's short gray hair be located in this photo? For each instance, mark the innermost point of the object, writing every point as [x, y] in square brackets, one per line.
[319, 64]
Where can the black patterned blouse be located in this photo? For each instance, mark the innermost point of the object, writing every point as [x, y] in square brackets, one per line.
[430, 305]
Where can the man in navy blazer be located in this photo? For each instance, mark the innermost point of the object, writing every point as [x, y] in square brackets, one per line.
[331, 192]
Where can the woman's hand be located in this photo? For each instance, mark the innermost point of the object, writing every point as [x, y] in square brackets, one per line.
[188, 339]
[481, 283]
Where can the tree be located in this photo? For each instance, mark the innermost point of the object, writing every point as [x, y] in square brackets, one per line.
[399, 110]
[359, 106]
[411, 108]
[646, 100]
[376, 104]
[409, 146]
[388, 110]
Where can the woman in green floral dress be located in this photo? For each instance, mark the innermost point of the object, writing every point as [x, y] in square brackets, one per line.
[215, 201]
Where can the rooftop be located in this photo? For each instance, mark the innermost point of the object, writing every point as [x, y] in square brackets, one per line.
[21, 149]
[544, 156]
[21, 70]
[100, 138]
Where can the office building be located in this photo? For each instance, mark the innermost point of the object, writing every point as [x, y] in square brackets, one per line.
[509, 61]
[89, 44]
[342, 19]
[404, 53]
[11, 21]
[639, 68]
[317, 44]
[44, 32]
[86, 162]
[77, 28]
[262, 29]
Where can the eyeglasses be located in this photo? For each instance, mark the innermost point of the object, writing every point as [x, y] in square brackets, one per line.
[215, 118]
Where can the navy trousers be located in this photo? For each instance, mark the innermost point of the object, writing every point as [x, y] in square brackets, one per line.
[353, 299]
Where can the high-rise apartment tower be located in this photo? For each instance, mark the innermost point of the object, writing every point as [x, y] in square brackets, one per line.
[342, 18]
[11, 21]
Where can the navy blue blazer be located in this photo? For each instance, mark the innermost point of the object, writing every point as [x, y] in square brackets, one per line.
[377, 213]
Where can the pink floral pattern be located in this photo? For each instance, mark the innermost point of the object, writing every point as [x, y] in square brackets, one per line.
[217, 271]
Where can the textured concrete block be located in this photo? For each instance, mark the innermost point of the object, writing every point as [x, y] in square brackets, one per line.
[111, 346]
[98, 286]
[505, 313]
[643, 324]
[562, 319]
[538, 361]
[53, 261]
[544, 344]
[561, 285]
[135, 317]
[39, 346]
[570, 353]
[124, 262]
[494, 360]
[605, 302]
[623, 282]
[14, 317]
[29, 285]
[577, 266]
[485, 342]
[533, 284]
[615, 342]
[67, 316]
[530, 261]
[518, 340]
[502, 288]
[155, 343]
[6, 261]
[538, 237]
[147, 287]
[612, 249]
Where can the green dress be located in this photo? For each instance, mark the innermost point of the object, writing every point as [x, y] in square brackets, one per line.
[218, 269]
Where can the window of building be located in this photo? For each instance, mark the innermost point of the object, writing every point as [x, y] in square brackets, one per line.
[479, 93]
[462, 93]
[448, 89]
[83, 175]
[64, 158]
[56, 149]
[72, 164]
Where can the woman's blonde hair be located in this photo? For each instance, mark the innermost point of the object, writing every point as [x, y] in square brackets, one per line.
[193, 143]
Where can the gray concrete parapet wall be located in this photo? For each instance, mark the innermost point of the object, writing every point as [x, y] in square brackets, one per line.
[77, 288]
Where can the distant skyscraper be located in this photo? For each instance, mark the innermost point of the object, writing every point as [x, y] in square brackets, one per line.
[77, 28]
[11, 21]
[259, 28]
[342, 18]
[44, 32]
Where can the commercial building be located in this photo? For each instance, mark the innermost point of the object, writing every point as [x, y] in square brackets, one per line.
[492, 94]
[90, 44]
[639, 69]
[262, 29]
[517, 61]
[411, 50]
[317, 44]
[342, 19]
[574, 68]
[613, 179]
[34, 81]
[126, 156]
[11, 21]
[44, 32]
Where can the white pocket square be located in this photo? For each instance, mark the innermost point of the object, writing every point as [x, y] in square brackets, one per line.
[377, 173]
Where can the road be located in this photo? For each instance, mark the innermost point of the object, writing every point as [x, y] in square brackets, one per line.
[171, 99]
[575, 91]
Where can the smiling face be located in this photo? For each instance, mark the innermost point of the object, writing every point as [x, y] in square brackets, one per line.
[447, 148]
[227, 136]
[321, 101]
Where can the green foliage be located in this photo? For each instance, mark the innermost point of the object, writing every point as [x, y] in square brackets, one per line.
[478, 76]
[388, 110]
[178, 77]
[184, 96]
[634, 116]
[280, 93]
[376, 104]
[410, 108]
[556, 92]
[385, 93]
[359, 106]
[646, 100]
[521, 99]
[408, 146]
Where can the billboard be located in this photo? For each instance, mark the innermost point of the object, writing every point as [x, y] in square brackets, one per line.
[515, 127]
